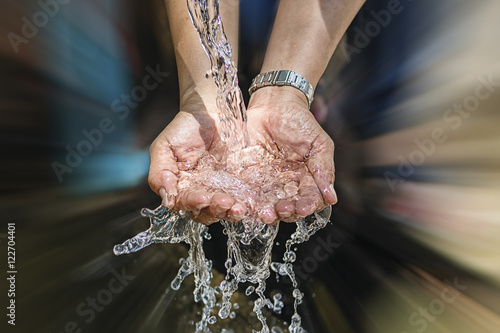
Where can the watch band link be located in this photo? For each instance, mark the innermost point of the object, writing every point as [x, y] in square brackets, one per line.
[283, 78]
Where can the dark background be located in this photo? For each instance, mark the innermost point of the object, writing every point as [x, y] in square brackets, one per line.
[405, 236]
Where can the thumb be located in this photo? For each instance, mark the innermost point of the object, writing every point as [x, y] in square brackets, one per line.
[163, 172]
[321, 166]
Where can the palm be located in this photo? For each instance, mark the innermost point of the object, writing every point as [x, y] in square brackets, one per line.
[290, 132]
[177, 151]
[189, 136]
[182, 156]
[293, 138]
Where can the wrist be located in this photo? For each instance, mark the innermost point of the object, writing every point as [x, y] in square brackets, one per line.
[198, 97]
[283, 78]
[278, 95]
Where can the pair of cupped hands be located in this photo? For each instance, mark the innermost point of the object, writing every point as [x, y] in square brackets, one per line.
[278, 119]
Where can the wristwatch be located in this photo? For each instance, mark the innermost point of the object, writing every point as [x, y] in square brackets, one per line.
[283, 78]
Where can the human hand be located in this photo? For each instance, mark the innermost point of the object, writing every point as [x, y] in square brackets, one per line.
[191, 135]
[280, 121]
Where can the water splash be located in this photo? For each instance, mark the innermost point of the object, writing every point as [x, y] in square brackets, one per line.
[306, 227]
[167, 227]
[277, 303]
[238, 172]
[249, 256]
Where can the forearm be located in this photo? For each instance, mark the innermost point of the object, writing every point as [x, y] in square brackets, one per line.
[192, 62]
[306, 33]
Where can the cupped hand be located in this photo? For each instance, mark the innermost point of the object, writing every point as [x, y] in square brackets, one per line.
[280, 121]
[192, 134]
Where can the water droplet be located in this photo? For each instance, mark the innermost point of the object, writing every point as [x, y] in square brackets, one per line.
[228, 263]
[289, 256]
[223, 312]
[249, 290]
[145, 212]
[296, 320]
[118, 249]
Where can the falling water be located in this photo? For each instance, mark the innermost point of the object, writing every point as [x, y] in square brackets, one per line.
[249, 174]
[206, 19]
[248, 260]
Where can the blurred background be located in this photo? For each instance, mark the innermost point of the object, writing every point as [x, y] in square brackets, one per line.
[410, 98]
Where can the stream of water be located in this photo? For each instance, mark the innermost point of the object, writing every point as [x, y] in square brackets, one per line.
[249, 174]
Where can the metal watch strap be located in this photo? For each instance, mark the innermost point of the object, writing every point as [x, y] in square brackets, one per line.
[283, 78]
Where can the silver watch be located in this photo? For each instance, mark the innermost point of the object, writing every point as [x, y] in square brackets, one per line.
[283, 78]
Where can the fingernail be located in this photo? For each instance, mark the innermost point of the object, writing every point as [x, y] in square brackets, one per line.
[167, 200]
[238, 211]
[285, 214]
[268, 216]
[163, 196]
[170, 201]
[237, 217]
[334, 194]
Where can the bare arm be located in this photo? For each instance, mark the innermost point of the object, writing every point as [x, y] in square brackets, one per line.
[192, 62]
[193, 132]
[304, 37]
[306, 33]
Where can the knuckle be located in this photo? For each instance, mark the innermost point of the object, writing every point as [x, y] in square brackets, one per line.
[153, 147]
[153, 181]
[330, 144]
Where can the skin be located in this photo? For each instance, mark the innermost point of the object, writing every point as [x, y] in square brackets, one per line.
[272, 115]
[297, 43]
[173, 152]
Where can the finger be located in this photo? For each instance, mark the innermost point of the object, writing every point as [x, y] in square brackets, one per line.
[194, 201]
[236, 212]
[168, 192]
[162, 172]
[322, 168]
[285, 210]
[310, 198]
[220, 204]
[268, 215]
[205, 217]
[219, 207]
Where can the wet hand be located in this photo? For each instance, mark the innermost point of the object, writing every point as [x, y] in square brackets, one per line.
[280, 121]
[192, 134]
